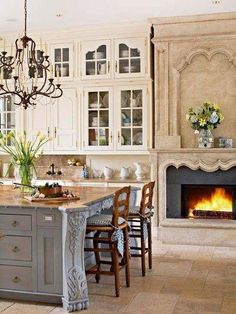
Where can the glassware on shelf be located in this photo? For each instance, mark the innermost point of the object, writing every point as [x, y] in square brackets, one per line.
[96, 61]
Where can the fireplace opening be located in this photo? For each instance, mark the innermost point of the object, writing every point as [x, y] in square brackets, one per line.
[208, 202]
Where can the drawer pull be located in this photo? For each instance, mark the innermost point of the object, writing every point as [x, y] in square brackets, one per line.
[16, 279]
[15, 249]
[14, 224]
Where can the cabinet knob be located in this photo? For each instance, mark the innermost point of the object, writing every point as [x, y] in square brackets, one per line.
[48, 132]
[55, 132]
[116, 66]
[14, 224]
[111, 137]
[15, 249]
[16, 279]
[118, 137]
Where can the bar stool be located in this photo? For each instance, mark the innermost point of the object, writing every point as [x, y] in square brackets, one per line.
[115, 226]
[141, 226]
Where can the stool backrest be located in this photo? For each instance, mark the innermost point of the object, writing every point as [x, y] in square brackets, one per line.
[121, 204]
[147, 196]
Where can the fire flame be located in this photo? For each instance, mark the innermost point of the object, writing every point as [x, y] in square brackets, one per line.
[219, 201]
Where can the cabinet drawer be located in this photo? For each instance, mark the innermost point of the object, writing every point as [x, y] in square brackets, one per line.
[15, 248]
[16, 278]
[15, 222]
[47, 217]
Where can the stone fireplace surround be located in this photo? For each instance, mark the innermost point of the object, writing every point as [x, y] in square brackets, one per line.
[186, 231]
[195, 60]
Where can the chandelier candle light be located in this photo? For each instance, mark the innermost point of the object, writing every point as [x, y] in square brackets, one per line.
[19, 73]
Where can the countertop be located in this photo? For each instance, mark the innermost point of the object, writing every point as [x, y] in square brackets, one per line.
[10, 197]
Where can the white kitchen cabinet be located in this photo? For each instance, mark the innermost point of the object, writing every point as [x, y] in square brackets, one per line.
[126, 60]
[115, 119]
[56, 119]
[64, 128]
[95, 59]
[131, 119]
[62, 60]
[98, 119]
[130, 57]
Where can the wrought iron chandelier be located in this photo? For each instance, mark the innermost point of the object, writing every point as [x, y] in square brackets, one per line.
[28, 74]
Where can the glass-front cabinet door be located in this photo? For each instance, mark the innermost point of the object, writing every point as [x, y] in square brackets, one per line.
[62, 61]
[95, 59]
[130, 57]
[98, 119]
[7, 115]
[132, 118]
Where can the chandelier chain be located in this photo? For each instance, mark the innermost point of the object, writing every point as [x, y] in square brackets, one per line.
[25, 16]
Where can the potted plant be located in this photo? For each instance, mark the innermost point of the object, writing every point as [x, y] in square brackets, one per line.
[203, 120]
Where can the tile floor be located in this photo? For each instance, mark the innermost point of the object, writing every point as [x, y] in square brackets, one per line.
[184, 279]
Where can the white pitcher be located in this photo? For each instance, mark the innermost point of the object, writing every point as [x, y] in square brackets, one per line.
[139, 171]
[124, 172]
[108, 172]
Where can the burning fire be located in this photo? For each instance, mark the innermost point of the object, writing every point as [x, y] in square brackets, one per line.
[218, 201]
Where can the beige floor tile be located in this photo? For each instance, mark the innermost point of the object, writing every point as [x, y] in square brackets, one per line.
[198, 305]
[173, 268]
[152, 303]
[5, 304]
[28, 308]
[229, 305]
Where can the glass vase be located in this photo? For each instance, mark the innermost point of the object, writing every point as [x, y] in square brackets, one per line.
[24, 175]
[205, 139]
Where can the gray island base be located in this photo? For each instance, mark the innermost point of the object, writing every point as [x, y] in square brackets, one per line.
[42, 246]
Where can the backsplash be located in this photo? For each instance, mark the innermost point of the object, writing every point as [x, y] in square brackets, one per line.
[95, 163]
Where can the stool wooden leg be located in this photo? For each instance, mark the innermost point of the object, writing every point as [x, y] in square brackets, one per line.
[97, 255]
[150, 244]
[142, 249]
[115, 266]
[127, 256]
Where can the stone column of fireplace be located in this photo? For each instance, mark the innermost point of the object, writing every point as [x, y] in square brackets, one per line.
[195, 60]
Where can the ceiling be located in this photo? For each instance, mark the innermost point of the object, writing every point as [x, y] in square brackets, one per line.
[42, 13]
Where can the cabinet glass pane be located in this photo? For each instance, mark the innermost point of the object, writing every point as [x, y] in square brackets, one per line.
[124, 66]
[57, 68]
[65, 69]
[93, 118]
[137, 98]
[93, 137]
[125, 136]
[123, 51]
[126, 117]
[101, 52]
[101, 67]
[137, 117]
[7, 115]
[125, 98]
[90, 67]
[138, 136]
[103, 100]
[103, 137]
[93, 100]
[135, 66]
[134, 52]
[58, 55]
[65, 53]
[90, 55]
[104, 118]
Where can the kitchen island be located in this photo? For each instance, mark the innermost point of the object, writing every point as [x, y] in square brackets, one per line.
[42, 245]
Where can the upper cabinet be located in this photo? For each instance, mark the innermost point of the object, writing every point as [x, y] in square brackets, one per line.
[109, 59]
[130, 55]
[62, 59]
[95, 56]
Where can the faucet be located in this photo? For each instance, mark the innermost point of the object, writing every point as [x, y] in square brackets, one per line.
[52, 172]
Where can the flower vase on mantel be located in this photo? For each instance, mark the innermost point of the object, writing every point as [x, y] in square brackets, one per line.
[205, 139]
[203, 120]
